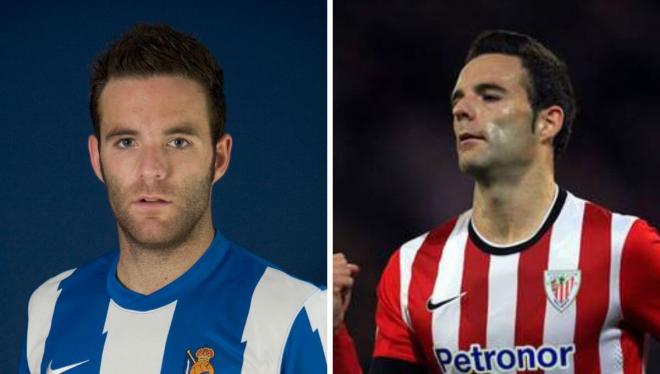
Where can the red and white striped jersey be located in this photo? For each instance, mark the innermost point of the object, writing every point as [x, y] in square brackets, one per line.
[577, 297]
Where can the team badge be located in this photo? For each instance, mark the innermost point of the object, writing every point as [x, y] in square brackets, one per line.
[561, 287]
[201, 363]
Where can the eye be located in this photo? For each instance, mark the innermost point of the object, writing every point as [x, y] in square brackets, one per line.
[125, 143]
[491, 98]
[179, 143]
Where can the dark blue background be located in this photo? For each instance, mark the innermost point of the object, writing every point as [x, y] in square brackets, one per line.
[54, 213]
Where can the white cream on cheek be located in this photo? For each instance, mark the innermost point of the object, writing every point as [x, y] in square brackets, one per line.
[499, 131]
[510, 132]
[495, 133]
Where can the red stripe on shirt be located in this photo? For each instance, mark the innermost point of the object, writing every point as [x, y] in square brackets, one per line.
[632, 344]
[344, 355]
[422, 280]
[640, 292]
[593, 295]
[474, 305]
[393, 337]
[531, 293]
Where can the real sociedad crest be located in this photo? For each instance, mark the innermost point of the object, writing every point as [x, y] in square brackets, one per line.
[561, 287]
[200, 364]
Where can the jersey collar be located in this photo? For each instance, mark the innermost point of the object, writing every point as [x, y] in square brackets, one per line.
[185, 284]
[485, 246]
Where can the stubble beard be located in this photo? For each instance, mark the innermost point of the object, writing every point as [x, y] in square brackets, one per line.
[496, 161]
[192, 202]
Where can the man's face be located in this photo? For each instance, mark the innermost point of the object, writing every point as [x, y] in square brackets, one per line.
[492, 116]
[156, 157]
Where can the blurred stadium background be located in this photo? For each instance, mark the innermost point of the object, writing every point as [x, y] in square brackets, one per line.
[395, 64]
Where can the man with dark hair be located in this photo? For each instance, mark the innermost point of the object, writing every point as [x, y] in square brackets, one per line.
[177, 296]
[531, 278]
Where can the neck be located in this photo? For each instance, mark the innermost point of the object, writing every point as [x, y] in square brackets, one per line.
[145, 270]
[510, 210]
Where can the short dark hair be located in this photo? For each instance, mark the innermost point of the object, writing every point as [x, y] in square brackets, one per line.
[548, 84]
[150, 50]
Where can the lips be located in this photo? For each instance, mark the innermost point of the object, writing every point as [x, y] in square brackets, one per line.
[151, 203]
[469, 136]
[151, 199]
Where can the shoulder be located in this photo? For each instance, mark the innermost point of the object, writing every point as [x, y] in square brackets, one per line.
[277, 297]
[83, 277]
[47, 292]
[431, 241]
[281, 295]
[629, 228]
[242, 260]
[641, 245]
[631, 235]
[269, 277]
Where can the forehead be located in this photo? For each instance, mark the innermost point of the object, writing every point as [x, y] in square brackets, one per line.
[501, 69]
[151, 101]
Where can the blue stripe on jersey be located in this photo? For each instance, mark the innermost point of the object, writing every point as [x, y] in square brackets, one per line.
[303, 352]
[76, 332]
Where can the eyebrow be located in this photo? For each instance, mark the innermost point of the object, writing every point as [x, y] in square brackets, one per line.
[121, 131]
[481, 88]
[183, 129]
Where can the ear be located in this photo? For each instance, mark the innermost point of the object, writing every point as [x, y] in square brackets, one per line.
[94, 156]
[222, 156]
[549, 122]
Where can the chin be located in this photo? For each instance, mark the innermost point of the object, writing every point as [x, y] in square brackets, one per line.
[476, 169]
[156, 236]
[467, 164]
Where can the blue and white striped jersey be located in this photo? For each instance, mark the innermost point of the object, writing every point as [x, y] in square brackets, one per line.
[231, 312]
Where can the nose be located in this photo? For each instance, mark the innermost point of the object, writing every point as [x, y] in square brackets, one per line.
[463, 109]
[153, 164]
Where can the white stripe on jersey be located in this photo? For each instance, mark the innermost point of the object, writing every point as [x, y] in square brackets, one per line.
[406, 257]
[130, 333]
[40, 314]
[559, 327]
[502, 301]
[316, 310]
[447, 320]
[611, 355]
[275, 303]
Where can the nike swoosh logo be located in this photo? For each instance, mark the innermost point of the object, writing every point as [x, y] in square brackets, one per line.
[63, 369]
[433, 306]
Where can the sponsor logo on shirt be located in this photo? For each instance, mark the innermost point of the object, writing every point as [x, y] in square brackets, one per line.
[482, 360]
[561, 287]
[201, 363]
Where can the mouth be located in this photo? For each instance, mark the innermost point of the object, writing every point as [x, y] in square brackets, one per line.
[469, 136]
[150, 201]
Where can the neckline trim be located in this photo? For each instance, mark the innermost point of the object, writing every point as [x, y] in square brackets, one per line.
[198, 272]
[520, 246]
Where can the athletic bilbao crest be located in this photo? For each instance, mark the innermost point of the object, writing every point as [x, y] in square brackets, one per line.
[561, 287]
[201, 363]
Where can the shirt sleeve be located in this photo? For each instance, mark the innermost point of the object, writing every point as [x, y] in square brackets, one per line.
[344, 360]
[393, 337]
[304, 351]
[640, 278]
